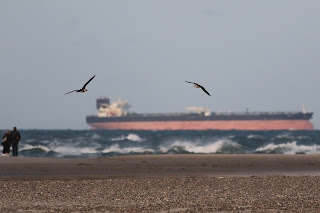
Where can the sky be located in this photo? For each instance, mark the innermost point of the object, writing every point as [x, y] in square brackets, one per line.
[255, 55]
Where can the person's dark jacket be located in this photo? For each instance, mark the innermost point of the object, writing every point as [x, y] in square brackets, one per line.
[7, 143]
[15, 137]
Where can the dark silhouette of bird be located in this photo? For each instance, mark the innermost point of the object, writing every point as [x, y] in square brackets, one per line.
[199, 86]
[83, 89]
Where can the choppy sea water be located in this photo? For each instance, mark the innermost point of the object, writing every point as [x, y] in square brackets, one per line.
[103, 143]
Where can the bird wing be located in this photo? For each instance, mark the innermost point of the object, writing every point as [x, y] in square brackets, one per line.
[191, 82]
[71, 91]
[204, 90]
[88, 82]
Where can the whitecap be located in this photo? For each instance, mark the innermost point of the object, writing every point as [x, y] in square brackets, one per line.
[30, 147]
[134, 137]
[121, 138]
[130, 137]
[193, 147]
[284, 136]
[290, 148]
[116, 148]
[67, 150]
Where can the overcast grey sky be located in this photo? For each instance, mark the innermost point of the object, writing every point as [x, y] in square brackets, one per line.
[260, 55]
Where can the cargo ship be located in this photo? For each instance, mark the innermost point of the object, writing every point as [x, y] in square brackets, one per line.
[115, 116]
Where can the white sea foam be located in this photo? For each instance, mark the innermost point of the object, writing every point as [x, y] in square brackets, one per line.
[121, 138]
[284, 136]
[290, 148]
[65, 150]
[116, 148]
[196, 147]
[130, 137]
[134, 137]
[291, 137]
[30, 147]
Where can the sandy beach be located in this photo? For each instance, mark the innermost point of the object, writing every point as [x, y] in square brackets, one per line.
[161, 183]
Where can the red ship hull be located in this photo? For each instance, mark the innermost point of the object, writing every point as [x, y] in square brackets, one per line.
[205, 125]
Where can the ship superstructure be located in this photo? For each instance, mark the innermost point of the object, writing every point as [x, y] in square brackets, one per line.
[115, 109]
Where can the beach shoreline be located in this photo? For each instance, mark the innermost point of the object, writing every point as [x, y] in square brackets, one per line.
[195, 165]
[161, 183]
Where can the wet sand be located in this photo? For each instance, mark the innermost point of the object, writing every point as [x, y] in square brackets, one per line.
[161, 183]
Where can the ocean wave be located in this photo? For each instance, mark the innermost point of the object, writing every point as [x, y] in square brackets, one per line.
[290, 137]
[67, 150]
[126, 150]
[29, 147]
[284, 136]
[196, 147]
[130, 137]
[290, 148]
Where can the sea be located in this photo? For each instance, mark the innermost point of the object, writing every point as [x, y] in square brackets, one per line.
[105, 143]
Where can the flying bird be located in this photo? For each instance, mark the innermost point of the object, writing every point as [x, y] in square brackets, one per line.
[199, 86]
[83, 89]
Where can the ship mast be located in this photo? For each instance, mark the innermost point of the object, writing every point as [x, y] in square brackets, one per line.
[304, 109]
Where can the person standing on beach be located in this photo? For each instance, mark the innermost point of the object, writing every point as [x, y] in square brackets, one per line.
[6, 143]
[15, 138]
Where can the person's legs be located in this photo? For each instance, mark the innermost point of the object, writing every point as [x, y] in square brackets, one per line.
[15, 149]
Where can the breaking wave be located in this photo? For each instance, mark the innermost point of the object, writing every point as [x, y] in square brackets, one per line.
[130, 137]
[197, 147]
[39, 147]
[290, 148]
[126, 150]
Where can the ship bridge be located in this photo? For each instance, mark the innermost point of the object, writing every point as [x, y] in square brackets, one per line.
[200, 110]
[115, 109]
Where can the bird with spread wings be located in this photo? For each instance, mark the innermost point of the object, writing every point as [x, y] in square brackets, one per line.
[83, 89]
[199, 86]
